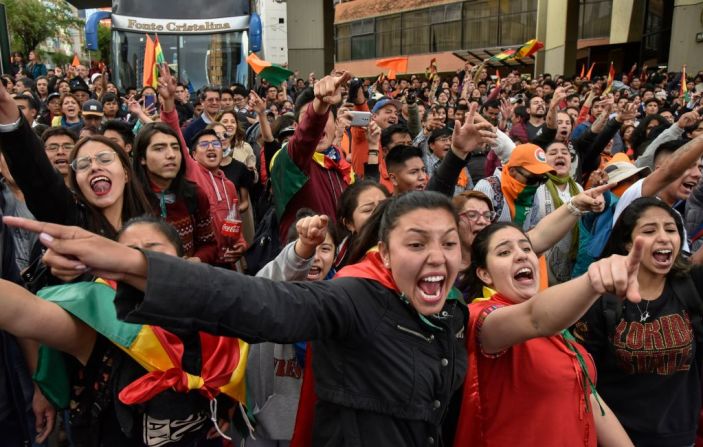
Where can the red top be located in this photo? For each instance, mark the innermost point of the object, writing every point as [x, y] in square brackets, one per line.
[532, 392]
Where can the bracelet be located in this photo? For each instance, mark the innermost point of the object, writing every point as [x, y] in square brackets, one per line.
[373, 152]
[573, 210]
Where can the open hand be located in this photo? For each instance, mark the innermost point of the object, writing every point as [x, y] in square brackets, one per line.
[472, 134]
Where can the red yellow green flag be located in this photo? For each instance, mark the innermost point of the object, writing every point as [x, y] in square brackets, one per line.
[158, 60]
[274, 74]
[498, 78]
[583, 71]
[394, 65]
[683, 90]
[611, 78]
[529, 48]
[148, 71]
[503, 56]
[590, 71]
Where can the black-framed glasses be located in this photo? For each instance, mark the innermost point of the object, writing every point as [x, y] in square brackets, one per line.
[53, 147]
[473, 215]
[101, 158]
[205, 145]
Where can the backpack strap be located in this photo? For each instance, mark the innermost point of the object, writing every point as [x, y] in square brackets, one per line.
[687, 294]
[497, 194]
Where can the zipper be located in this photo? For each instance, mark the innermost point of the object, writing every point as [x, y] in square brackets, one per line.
[429, 339]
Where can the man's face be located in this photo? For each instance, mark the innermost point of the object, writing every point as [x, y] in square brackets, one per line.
[459, 115]
[271, 93]
[239, 101]
[29, 113]
[547, 90]
[596, 108]
[212, 103]
[491, 114]
[115, 136]
[110, 109]
[412, 176]
[386, 117]
[92, 120]
[698, 131]
[226, 101]
[82, 71]
[54, 106]
[81, 96]
[57, 149]
[179, 93]
[537, 107]
[668, 116]
[635, 83]
[574, 102]
[563, 127]
[397, 139]
[441, 146]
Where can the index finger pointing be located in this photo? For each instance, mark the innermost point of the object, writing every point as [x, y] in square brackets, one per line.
[35, 226]
[635, 255]
[598, 190]
[343, 79]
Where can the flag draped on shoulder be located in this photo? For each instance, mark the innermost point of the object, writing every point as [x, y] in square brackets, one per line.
[158, 351]
[273, 73]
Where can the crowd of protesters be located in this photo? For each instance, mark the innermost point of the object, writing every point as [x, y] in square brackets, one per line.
[449, 258]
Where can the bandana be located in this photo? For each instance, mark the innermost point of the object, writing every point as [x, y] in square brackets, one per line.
[518, 196]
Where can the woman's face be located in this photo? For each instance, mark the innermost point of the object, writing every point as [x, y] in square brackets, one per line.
[43, 86]
[651, 125]
[70, 107]
[628, 133]
[323, 260]
[112, 88]
[442, 114]
[512, 267]
[229, 121]
[662, 242]
[424, 257]
[472, 220]
[147, 236]
[367, 201]
[101, 184]
[559, 157]
[64, 88]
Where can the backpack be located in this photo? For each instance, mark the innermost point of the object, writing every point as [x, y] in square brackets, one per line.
[265, 246]
[684, 290]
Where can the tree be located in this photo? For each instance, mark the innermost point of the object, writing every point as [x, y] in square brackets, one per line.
[31, 22]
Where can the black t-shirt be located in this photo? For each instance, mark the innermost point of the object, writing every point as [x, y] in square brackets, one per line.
[533, 131]
[649, 374]
[238, 173]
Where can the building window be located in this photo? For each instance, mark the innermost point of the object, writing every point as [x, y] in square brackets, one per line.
[388, 36]
[481, 24]
[445, 28]
[594, 18]
[416, 32]
[343, 41]
[362, 40]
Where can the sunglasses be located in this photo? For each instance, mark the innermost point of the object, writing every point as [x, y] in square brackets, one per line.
[102, 158]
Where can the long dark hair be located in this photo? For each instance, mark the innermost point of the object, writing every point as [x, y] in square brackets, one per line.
[239, 134]
[621, 235]
[134, 202]
[470, 282]
[180, 186]
[639, 135]
[349, 201]
[387, 214]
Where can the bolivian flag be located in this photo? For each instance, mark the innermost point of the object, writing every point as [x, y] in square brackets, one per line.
[154, 348]
[683, 89]
[274, 74]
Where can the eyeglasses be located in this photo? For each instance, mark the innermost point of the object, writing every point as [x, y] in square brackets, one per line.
[473, 216]
[215, 144]
[102, 158]
[53, 147]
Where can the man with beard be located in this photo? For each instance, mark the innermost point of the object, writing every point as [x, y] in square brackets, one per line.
[537, 109]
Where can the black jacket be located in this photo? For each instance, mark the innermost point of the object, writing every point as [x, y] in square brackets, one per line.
[383, 376]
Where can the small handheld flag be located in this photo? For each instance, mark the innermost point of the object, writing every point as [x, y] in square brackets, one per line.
[394, 65]
[273, 73]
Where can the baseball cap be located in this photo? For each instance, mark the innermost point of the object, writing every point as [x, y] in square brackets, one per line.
[285, 132]
[52, 96]
[385, 101]
[620, 168]
[530, 157]
[92, 107]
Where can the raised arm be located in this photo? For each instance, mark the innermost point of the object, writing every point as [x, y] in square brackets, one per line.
[674, 132]
[674, 167]
[45, 192]
[560, 306]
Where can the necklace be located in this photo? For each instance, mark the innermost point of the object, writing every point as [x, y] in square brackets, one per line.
[643, 315]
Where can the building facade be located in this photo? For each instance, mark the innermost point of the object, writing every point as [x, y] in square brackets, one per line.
[575, 33]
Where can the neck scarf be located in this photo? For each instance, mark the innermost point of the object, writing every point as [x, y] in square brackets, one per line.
[518, 196]
[552, 184]
[332, 160]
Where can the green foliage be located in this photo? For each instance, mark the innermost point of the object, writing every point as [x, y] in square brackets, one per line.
[31, 22]
[104, 43]
[58, 58]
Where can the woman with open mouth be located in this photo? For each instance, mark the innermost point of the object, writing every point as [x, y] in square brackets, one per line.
[648, 354]
[387, 332]
[522, 360]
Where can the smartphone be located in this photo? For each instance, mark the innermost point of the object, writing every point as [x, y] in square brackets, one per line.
[149, 101]
[360, 119]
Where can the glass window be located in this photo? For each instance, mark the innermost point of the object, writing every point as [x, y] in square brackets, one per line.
[594, 18]
[199, 59]
[343, 38]
[388, 36]
[416, 32]
[362, 27]
[516, 29]
[480, 24]
[363, 47]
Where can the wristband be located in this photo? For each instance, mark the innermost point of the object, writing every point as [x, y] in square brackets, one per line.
[573, 210]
